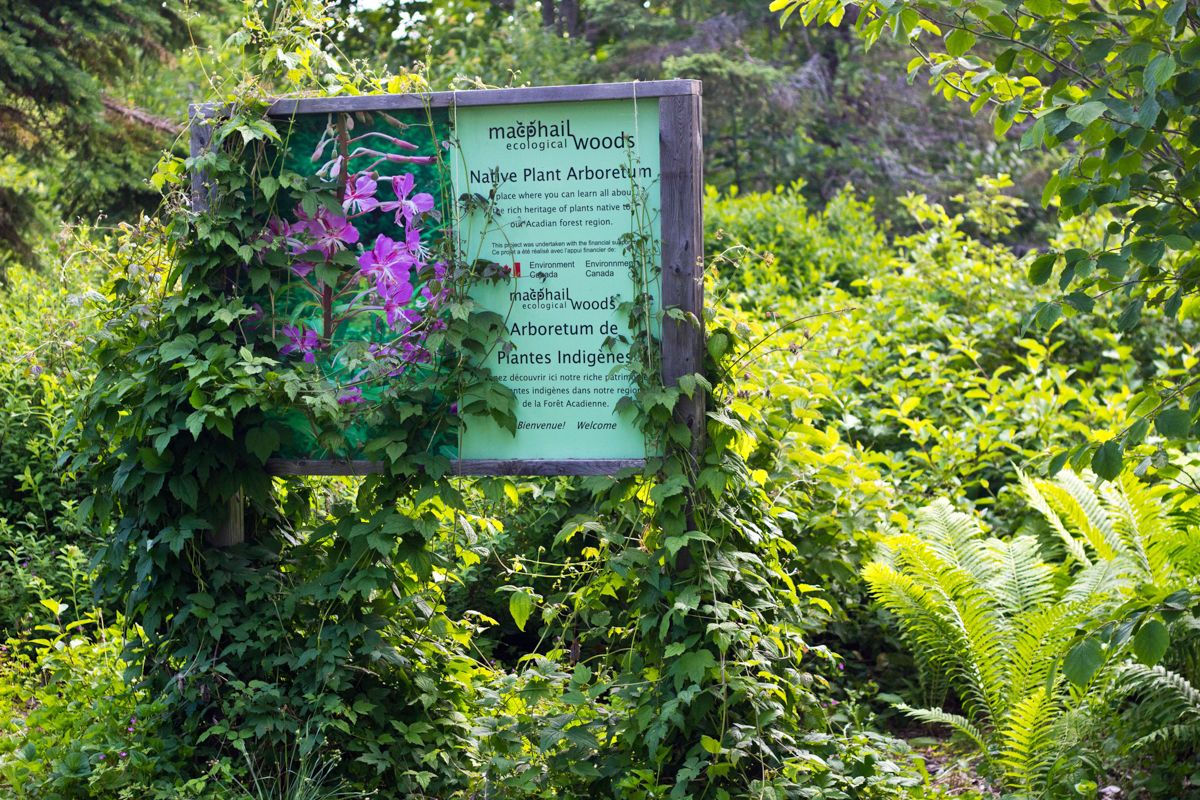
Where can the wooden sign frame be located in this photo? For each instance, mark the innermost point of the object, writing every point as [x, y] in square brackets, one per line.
[681, 224]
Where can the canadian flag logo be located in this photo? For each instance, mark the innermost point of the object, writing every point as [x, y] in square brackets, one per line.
[516, 269]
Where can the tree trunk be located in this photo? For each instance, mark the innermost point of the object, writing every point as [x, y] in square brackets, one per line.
[548, 13]
[570, 17]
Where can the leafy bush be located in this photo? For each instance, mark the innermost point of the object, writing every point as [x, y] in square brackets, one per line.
[44, 335]
[839, 244]
[69, 725]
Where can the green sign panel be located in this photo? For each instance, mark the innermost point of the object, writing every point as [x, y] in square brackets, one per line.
[571, 182]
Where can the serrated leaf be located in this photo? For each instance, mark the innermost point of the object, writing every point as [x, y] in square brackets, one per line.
[262, 442]
[178, 348]
[1158, 72]
[1086, 113]
[695, 664]
[959, 41]
[1041, 268]
[520, 605]
[1173, 423]
[1150, 642]
[1082, 662]
[1131, 315]
[1107, 460]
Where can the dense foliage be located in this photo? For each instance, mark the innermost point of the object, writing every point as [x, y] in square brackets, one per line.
[1119, 84]
[757, 619]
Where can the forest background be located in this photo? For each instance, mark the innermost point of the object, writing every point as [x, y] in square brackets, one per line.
[896, 407]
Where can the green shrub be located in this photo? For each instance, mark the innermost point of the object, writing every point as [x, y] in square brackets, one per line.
[45, 332]
[839, 244]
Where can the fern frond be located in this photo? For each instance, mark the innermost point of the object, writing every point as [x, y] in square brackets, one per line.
[1168, 705]
[1026, 742]
[1085, 510]
[1041, 640]
[923, 624]
[1112, 578]
[1135, 530]
[955, 537]
[936, 716]
[1038, 500]
[981, 632]
[1183, 549]
[946, 614]
[1017, 575]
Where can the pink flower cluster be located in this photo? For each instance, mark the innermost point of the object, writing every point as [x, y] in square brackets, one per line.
[390, 267]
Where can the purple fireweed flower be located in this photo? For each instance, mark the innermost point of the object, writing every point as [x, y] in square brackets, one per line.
[280, 231]
[331, 233]
[327, 233]
[351, 396]
[387, 259]
[407, 208]
[414, 354]
[393, 307]
[301, 340]
[360, 194]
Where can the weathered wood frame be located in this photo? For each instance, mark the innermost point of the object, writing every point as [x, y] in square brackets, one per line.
[681, 234]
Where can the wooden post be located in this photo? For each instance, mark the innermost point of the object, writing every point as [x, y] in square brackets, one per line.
[682, 188]
[233, 530]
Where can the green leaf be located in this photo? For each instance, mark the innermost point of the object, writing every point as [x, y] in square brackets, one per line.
[1174, 12]
[1041, 268]
[1158, 72]
[1082, 662]
[1150, 642]
[56, 608]
[1131, 315]
[718, 344]
[1086, 113]
[520, 605]
[178, 348]
[1107, 460]
[959, 41]
[695, 664]
[1173, 423]
[262, 442]
[710, 744]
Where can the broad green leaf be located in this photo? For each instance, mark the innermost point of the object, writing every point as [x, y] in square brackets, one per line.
[1107, 460]
[1041, 268]
[1086, 113]
[959, 41]
[1131, 315]
[520, 605]
[1158, 72]
[1082, 662]
[695, 663]
[1173, 423]
[1150, 642]
[710, 744]
[178, 347]
[262, 442]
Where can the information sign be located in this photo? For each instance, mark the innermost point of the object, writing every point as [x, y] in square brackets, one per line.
[588, 189]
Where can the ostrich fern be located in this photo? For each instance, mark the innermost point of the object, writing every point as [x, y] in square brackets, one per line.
[992, 620]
